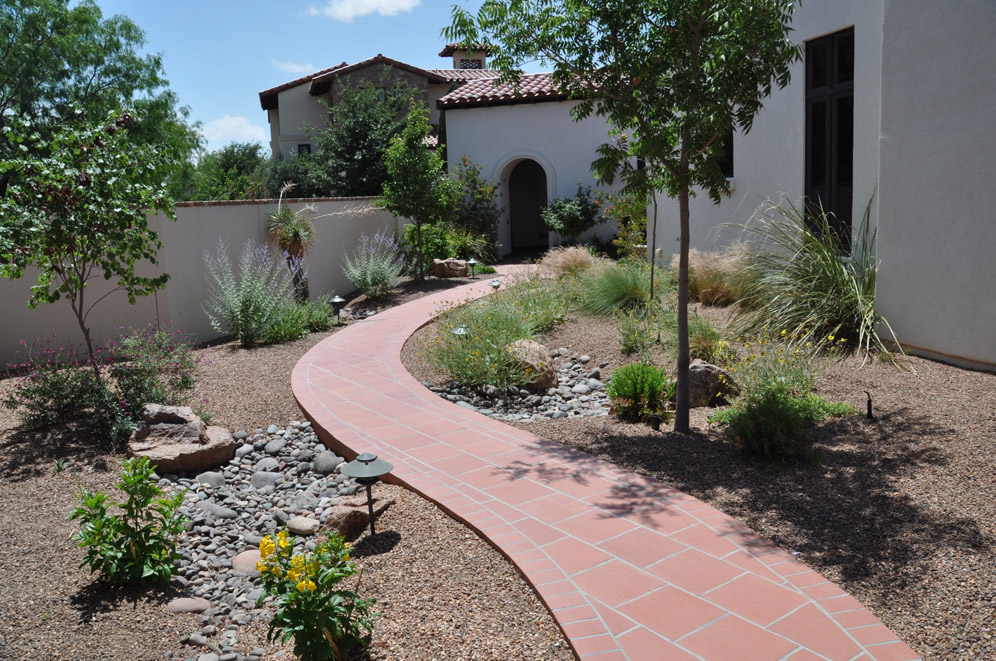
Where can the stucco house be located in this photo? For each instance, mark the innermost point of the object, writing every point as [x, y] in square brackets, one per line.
[890, 109]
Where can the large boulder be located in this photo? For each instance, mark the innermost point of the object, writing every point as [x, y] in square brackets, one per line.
[175, 439]
[350, 516]
[449, 268]
[537, 361]
[707, 382]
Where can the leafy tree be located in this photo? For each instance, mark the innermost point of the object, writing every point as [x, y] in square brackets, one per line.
[679, 74]
[478, 210]
[417, 188]
[56, 59]
[237, 171]
[77, 208]
[302, 170]
[356, 133]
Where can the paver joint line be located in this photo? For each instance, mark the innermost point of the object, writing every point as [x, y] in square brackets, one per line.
[357, 394]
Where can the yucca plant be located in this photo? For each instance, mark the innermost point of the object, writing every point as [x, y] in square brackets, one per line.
[800, 281]
[293, 233]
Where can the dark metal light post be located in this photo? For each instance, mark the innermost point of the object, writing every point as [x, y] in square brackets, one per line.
[338, 303]
[366, 469]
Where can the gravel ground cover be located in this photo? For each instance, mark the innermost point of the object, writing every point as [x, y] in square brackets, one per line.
[901, 513]
[442, 592]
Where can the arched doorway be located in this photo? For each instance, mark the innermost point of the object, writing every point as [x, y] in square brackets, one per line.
[526, 197]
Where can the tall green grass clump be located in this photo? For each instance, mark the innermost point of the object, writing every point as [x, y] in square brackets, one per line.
[471, 346]
[716, 278]
[622, 285]
[800, 280]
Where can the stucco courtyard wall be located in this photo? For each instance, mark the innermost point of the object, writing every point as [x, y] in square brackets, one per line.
[497, 137]
[198, 228]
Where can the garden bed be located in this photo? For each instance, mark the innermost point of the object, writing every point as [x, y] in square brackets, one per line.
[901, 513]
[477, 607]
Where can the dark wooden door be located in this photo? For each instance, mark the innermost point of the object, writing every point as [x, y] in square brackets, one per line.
[527, 197]
[830, 129]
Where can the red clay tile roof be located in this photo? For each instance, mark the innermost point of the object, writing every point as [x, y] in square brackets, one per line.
[461, 75]
[449, 49]
[320, 84]
[532, 88]
[268, 98]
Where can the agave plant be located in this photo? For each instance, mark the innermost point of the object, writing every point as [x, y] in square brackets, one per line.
[293, 233]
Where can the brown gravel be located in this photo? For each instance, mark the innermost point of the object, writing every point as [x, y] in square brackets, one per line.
[443, 593]
[901, 513]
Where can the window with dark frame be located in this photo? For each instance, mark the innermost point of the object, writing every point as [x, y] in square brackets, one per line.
[467, 63]
[303, 149]
[725, 158]
[830, 131]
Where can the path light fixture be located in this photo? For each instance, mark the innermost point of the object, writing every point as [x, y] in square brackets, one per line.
[338, 303]
[461, 331]
[495, 284]
[366, 469]
[655, 422]
[472, 264]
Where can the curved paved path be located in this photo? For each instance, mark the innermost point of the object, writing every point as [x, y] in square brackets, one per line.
[629, 567]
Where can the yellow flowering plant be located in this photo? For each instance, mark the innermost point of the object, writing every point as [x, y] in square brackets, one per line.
[325, 621]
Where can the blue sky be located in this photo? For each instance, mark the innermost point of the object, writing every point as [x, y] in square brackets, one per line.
[219, 54]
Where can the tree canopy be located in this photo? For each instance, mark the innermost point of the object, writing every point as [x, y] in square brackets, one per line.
[671, 77]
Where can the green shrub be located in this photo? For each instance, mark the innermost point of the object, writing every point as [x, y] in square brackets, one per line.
[140, 543]
[623, 285]
[478, 211]
[799, 278]
[289, 324]
[318, 315]
[630, 214]
[703, 337]
[639, 390]
[635, 333]
[776, 409]
[434, 246]
[777, 425]
[246, 304]
[324, 620]
[571, 217]
[375, 265]
[525, 309]
[55, 386]
[465, 244]
[157, 365]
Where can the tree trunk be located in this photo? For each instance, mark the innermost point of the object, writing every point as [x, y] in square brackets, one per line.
[420, 273]
[681, 423]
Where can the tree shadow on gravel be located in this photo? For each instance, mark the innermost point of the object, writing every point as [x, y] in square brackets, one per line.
[26, 453]
[99, 596]
[847, 514]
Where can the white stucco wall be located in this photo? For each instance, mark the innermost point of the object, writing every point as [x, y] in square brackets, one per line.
[297, 109]
[770, 160]
[497, 137]
[198, 227]
[937, 233]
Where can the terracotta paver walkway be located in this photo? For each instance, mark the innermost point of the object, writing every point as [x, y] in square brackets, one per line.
[629, 567]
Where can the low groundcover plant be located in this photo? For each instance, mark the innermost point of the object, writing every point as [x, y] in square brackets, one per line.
[326, 622]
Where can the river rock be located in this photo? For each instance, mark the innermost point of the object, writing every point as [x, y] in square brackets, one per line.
[449, 268]
[537, 361]
[175, 439]
[707, 382]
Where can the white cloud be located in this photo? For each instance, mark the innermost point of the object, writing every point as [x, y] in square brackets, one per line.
[294, 67]
[237, 129]
[347, 10]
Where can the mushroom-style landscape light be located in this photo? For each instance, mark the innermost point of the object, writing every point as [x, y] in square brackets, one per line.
[495, 284]
[366, 469]
[472, 264]
[461, 331]
[338, 303]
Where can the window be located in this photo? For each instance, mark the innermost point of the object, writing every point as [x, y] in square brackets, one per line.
[470, 64]
[725, 158]
[304, 149]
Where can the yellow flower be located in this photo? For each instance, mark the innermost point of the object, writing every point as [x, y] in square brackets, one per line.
[282, 539]
[306, 586]
[830, 337]
[345, 558]
[261, 567]
[266, 547]
[293, 575]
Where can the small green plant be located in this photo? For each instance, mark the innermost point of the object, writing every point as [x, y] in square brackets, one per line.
[249, 302]
[289, 324]
[573, 216]
[630, 215]
[375, 265]
[318, 315]
[465, 244]
[140, 543]
[639, 390]
[775, 413]
[324, 620]
[60, 465]
[434, 246]
[635, 333]
[157, 365]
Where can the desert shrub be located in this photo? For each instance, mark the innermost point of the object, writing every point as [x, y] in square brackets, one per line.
[248, 302]
[55, 386]
[801, 280]
[703, 337]
[434, 246]
[635, 332]
[140, 543]
[465, 244]
[776, 410]
[480, 356]
[639, 390]
[375, 265]
[622, 285]
[630, 214]
[478, 211]
[288, 324]
[318, 315]
[716, 278]
[570, 217]
[325, 620]
[156, 365]
[568, 261]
